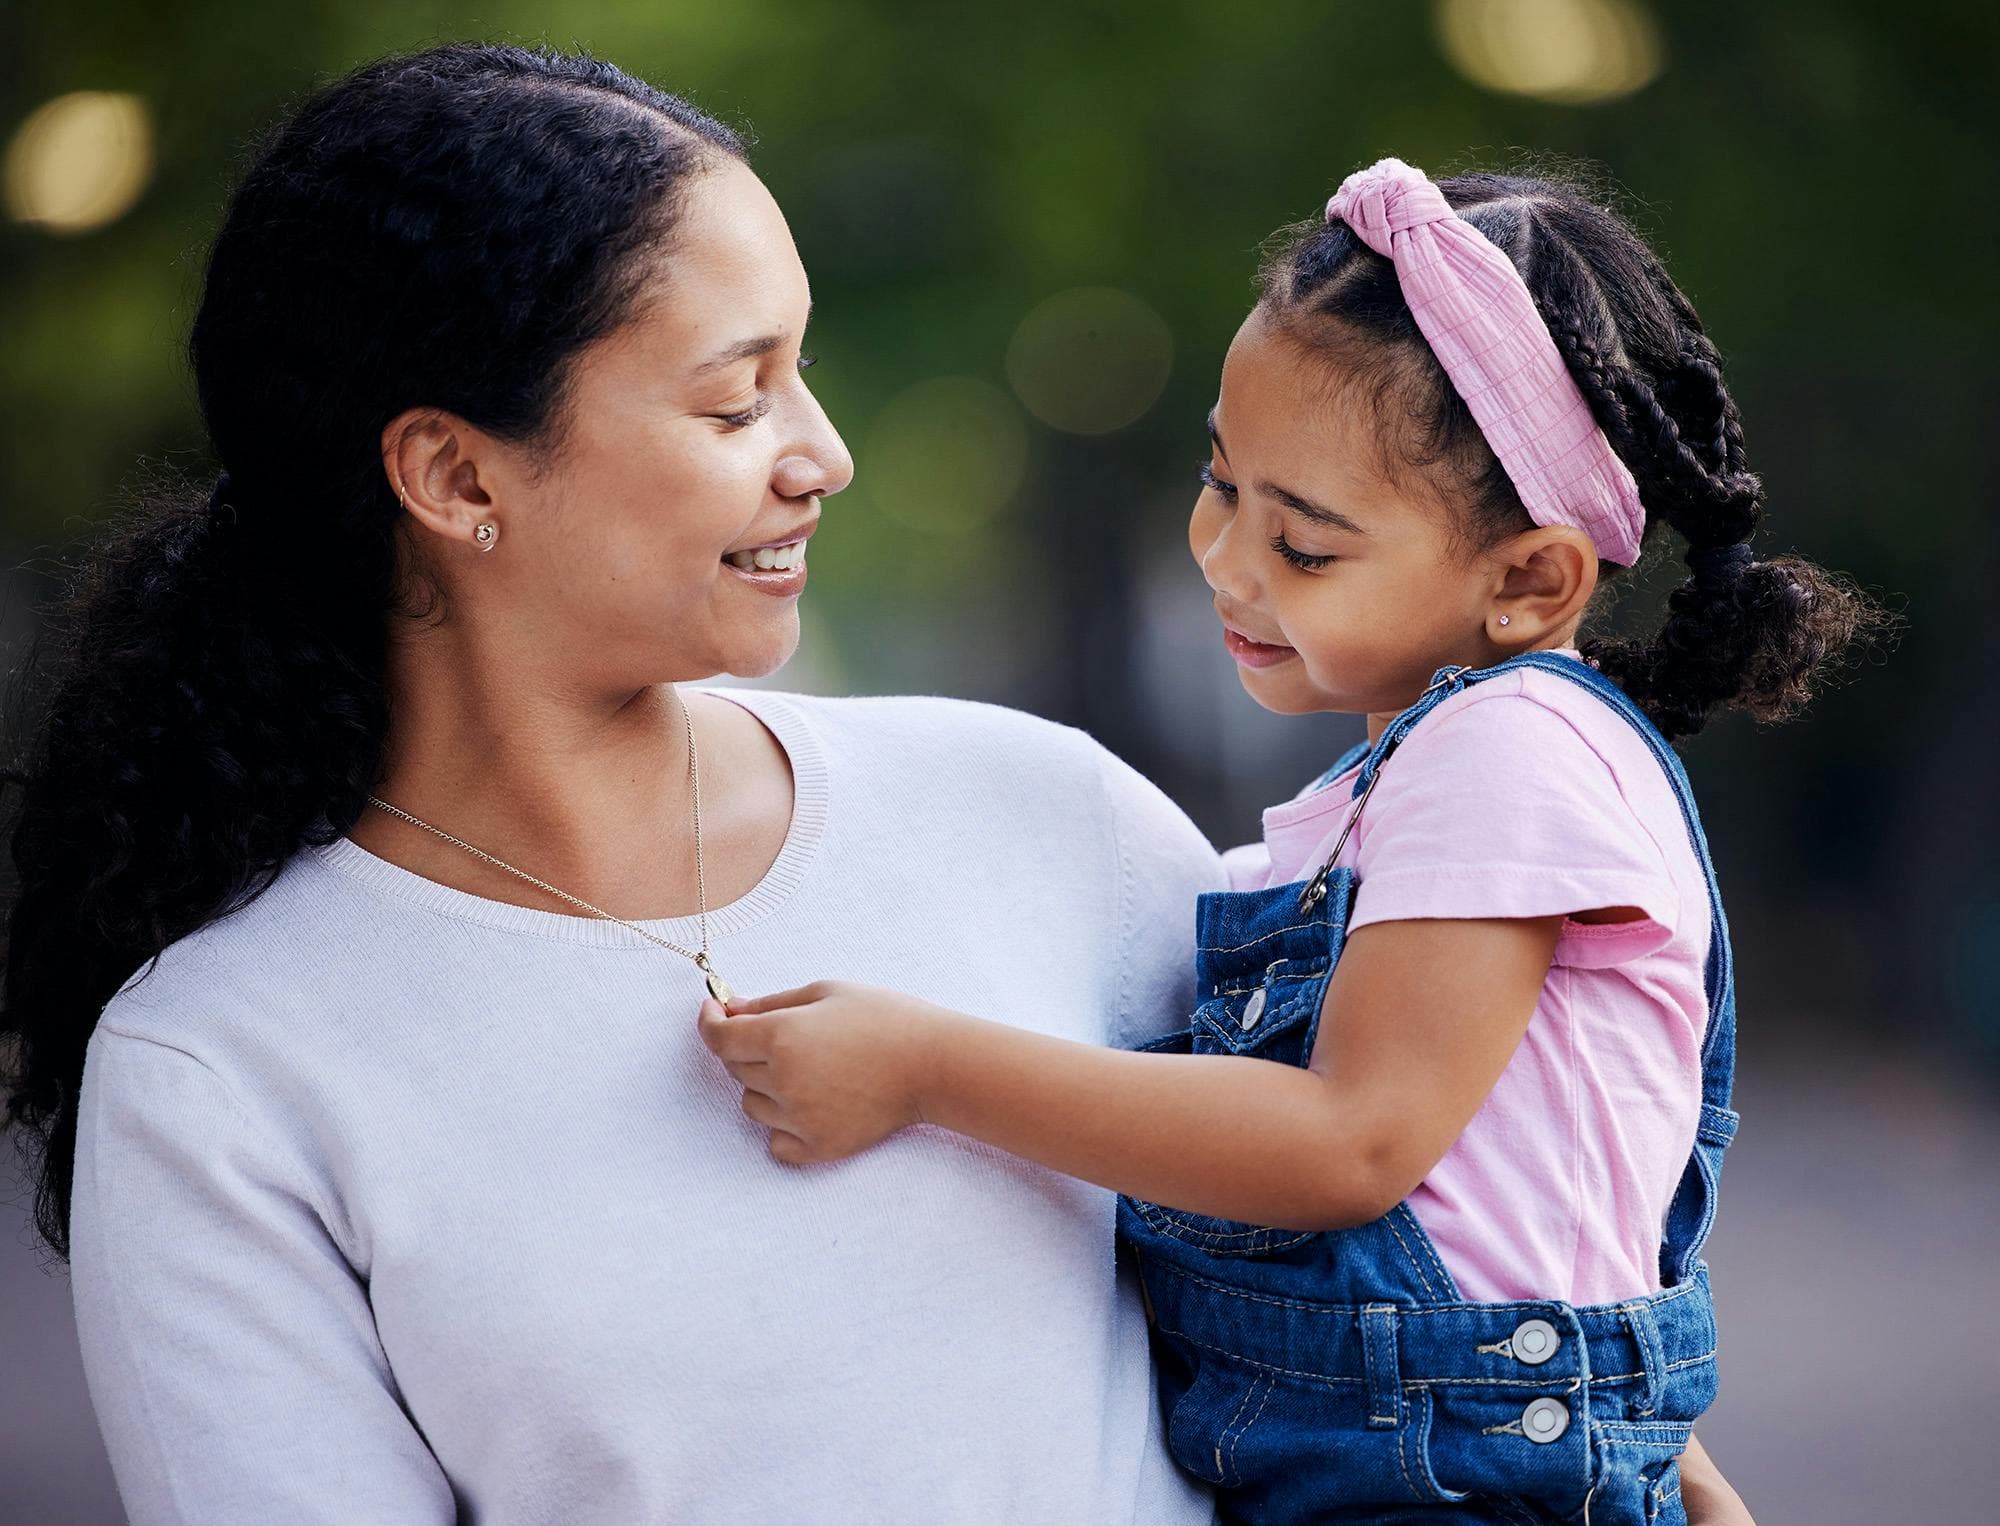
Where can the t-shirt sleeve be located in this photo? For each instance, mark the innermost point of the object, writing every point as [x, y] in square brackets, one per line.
[1163, 863]
[229, 1346]
[1500, 807]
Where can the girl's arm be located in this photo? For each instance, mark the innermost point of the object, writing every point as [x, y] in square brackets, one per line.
[1418, 1022]
[1706, 1494]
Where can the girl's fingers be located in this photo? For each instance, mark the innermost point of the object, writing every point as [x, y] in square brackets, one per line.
[754, 1074]
[731, 1038]
[742, 1005]
[759, 1108]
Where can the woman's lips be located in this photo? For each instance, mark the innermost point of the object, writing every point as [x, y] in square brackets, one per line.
[1255, 654]
[782, 581]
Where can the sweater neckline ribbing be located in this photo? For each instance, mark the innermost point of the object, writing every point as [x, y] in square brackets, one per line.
[802, 838]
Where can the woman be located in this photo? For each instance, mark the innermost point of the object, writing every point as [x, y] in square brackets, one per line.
[372, 867]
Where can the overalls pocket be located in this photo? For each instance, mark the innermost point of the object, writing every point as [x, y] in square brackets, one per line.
[1638, 1472]
[1274, 1017]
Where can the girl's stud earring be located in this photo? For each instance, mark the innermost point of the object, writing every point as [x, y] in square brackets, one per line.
[486, 535]
[1506, 619]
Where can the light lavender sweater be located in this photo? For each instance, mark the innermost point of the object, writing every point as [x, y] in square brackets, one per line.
[395, 1204]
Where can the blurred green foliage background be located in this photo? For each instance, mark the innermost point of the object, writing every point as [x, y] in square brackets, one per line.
[1031, 231]
[1812, 173]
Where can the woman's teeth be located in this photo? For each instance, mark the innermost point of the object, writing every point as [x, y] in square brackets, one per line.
[770, 559]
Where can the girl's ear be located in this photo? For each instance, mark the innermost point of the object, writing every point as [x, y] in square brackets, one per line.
[1546, 577]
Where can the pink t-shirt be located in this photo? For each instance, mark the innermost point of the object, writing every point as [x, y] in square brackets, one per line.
[1525, 795]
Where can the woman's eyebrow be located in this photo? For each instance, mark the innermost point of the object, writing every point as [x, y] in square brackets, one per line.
[1305, 508]
[745, 349]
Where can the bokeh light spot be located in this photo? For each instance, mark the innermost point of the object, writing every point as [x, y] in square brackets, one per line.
[79, 161]
[1090, 360]
[946, 455]
[1575, 52]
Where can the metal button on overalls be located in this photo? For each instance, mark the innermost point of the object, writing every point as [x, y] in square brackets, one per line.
[1545, 1420]
[1253, 1009]
[1534, 1341]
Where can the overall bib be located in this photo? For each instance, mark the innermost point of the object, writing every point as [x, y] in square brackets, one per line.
[1339, 1375]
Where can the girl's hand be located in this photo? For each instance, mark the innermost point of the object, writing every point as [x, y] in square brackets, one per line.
[830, 1068]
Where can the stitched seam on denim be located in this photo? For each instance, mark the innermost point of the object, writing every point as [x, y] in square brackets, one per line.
[1413, 1311]
[1408, 1256]
[1651, 1353]
[1237, 948]
[1222, 1468]
[1525, 1386]
[1424, 1244]
[1167, 1224]
[1270, 1387]
[1403, 1462]
[1370, 1353]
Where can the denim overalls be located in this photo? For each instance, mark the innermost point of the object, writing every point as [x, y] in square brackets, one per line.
[1339, 1375]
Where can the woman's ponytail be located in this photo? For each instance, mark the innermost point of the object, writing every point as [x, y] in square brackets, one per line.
[446, 229]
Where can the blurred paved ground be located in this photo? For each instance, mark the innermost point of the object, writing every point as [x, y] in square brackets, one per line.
[1854, 1265]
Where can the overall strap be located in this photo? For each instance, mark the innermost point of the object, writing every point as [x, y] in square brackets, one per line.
[1445, 682]
[1692, 1211]
[1693, 1208]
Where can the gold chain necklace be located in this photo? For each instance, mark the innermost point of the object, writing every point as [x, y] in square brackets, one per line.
[717, 986]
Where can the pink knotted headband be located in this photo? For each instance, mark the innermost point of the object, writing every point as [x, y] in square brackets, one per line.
[1483, 326]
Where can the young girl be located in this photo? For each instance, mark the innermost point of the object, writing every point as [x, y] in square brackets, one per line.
[1417, 1199]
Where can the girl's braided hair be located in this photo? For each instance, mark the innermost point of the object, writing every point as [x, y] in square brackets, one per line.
[1740, 633]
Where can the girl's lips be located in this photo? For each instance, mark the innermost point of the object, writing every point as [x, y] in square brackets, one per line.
[1255, 654]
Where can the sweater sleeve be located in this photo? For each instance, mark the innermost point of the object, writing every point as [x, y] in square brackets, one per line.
[1163, 863]
[229, 1347]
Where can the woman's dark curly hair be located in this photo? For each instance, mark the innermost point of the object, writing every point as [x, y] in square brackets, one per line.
[1740, 633]
[440, 229]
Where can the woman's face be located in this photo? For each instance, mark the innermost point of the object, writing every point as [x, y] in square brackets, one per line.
[694, 451]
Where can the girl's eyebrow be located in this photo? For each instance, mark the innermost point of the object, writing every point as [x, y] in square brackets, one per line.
[1305, 508]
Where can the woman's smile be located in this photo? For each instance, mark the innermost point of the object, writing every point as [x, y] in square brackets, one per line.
[776, 566]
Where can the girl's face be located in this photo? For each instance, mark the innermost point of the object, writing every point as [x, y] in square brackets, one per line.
[694, 442]
[1337, 590]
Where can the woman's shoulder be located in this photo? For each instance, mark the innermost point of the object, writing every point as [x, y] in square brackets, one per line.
[205, 985]
[929, 730]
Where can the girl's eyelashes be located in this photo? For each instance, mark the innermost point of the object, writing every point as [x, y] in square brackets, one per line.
[807, 362]
[1300, 559]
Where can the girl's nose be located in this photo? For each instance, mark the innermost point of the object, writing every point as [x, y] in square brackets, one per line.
[1222, 564]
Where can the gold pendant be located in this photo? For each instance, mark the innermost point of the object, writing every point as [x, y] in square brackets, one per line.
[717, 986]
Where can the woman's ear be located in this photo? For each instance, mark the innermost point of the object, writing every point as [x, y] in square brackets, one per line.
[1545, 578]
[431, 461]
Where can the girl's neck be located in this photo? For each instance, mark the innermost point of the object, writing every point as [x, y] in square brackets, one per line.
[1378, 722]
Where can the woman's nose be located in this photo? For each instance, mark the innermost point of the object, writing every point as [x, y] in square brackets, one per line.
[819, 464]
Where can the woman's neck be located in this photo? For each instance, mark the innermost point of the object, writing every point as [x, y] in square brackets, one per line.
[588, 793]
